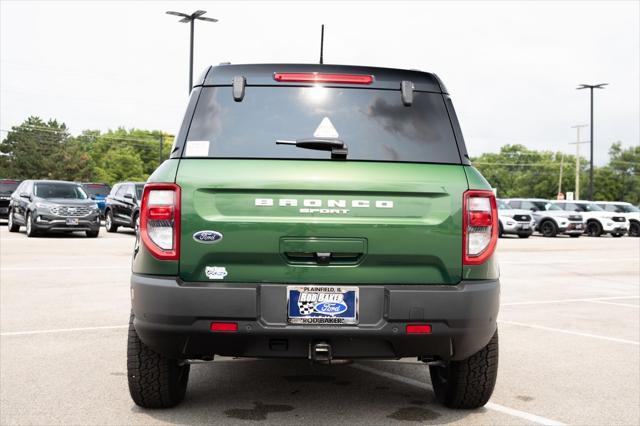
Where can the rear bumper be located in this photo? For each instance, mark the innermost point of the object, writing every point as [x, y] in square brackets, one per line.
[173, 318]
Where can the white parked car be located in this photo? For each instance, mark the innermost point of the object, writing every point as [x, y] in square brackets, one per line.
[628, 210]
[550, 220]
[515, 221]
[597, 220]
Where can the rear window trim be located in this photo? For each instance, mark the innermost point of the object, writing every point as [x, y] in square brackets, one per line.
[320, 159]
[328, 86]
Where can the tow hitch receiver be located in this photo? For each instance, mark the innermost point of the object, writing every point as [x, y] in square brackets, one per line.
[320, 352]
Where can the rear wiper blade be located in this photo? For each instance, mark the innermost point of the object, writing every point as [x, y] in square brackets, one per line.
[336, 146]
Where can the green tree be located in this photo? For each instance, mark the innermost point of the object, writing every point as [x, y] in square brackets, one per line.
[35, 150]
[620, 179]
[120, 163]
[517, 171]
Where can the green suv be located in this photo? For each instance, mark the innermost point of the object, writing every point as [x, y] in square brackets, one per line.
[321, 212]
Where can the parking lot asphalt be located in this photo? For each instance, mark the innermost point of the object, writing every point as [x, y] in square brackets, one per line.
[569, 346]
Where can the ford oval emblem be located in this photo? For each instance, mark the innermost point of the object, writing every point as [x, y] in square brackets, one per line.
[331, 308]
[207, 237]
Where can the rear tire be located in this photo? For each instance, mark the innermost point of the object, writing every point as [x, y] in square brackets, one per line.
[500, 231]
[634, 229]
[574, 235]
[109, 225]
[548, 228]
[594, 229]
[523, 235]
[468, 383]
[154, 381]
[11, 223]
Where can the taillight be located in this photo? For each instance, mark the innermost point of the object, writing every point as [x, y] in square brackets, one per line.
[160, 220]
[479, 226]
[314, 77]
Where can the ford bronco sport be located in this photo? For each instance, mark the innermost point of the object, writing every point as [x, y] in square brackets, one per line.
[322, 212]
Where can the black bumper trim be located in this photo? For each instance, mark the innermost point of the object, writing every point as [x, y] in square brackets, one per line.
[173, 318]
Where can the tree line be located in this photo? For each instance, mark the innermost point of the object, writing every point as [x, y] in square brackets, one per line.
[38, 149]
[517, 171]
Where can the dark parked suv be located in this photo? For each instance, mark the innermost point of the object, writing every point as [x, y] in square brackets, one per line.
[7, 186]
[47, 205]
[320, 212]
[122, 206]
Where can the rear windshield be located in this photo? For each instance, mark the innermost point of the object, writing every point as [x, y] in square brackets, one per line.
[8, 186]
[60, 190]
[373, 124]
[96, 189]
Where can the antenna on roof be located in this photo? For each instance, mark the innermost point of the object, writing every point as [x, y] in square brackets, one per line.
[321, 43]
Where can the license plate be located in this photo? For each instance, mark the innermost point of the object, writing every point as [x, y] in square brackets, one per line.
[72, 221]
[322, 305]
[525, 226]
[579, 226]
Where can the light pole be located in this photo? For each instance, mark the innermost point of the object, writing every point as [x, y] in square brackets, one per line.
[191, 20]
[591, 87]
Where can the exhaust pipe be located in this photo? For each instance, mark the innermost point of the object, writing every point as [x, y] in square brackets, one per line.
[320, 352]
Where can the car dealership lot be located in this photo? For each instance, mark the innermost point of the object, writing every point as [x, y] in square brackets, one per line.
[569, 334]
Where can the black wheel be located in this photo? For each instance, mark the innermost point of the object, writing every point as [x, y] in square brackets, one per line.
[468, 383]
[500, 230]
[634, 229]
[109, 225]
[574, 235]
[616, 235]
[594, 229]
[548, 228]
[11, 224]
[31, 231]
[92, 234]
[154, 381]
[523, 235]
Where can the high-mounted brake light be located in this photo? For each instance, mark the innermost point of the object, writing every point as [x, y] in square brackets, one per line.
[479, 226]
[314, 77]
[160, 220]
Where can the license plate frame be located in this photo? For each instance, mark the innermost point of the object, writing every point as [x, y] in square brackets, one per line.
[72, 221]
[318, 298]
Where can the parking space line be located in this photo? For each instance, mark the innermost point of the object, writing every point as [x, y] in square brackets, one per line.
[590, 299]
[574, 333]
[562, 262]
[61, 330]
[490, 405]
[61, 268]
[629, 305]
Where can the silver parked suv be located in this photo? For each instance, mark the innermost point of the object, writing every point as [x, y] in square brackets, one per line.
[628, 210]
[550, 220]
[597, 220]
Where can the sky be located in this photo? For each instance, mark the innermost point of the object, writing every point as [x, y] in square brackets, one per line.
[511, 67]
